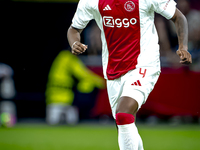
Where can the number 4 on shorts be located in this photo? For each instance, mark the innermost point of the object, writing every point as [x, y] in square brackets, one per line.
[142, 73]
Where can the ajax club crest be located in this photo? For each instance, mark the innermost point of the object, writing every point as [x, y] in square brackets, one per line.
[129, 6]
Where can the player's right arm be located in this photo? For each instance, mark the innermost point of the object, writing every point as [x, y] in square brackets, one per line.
[74, 38]
[83, 15]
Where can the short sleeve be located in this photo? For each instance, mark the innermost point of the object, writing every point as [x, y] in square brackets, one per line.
[83, 15]
[166, 8]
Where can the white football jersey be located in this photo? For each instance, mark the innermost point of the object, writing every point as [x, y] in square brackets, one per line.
[128, 34]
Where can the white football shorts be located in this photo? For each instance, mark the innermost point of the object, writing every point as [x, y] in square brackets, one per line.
[137, 84]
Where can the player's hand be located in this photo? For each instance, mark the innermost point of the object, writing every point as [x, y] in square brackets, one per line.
[78, 48]
[185, 56]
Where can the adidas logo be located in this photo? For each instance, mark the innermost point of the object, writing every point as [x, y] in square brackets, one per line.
[107, 8]
[137, 83]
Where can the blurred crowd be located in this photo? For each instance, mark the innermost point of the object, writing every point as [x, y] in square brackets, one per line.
[7, 94]
[67, 75]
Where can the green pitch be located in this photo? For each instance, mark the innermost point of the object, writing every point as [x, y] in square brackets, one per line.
[96, 137]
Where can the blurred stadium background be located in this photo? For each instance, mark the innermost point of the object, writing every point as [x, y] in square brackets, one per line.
[33, 37]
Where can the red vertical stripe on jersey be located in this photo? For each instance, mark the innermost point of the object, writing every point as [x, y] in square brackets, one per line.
[121, 26]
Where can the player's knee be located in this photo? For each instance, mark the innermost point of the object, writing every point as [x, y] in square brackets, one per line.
[127, 105]
[124, 118]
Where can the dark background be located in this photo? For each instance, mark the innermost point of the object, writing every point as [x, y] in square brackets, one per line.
[31, 37]
[32, 34]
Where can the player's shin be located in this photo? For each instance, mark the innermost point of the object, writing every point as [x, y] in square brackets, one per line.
[128, 138]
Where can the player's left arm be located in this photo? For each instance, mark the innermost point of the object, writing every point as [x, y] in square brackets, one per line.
[182, 33]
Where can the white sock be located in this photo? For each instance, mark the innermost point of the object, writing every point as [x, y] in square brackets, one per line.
[128, 137]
